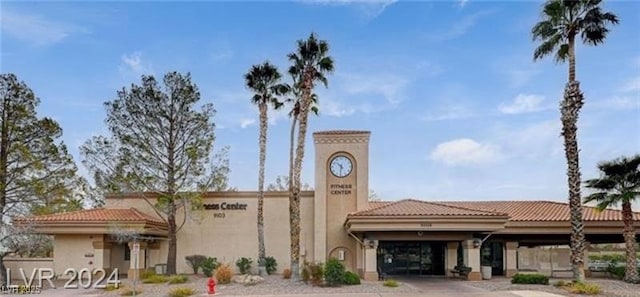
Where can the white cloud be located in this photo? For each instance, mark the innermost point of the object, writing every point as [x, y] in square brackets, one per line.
[523, 103]
[633, 85]
[617, 103]
[450, 112]
[35, 29]
[133, 63]
[390, 86]
[244, 123]
[465, 151]
[538, 140]
[335, 109]
[460, 27]
[369, 9]
[462, 3]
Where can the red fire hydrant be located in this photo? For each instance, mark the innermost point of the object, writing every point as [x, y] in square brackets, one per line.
[212, 285]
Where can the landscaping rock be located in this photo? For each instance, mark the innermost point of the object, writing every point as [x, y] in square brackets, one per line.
[247, 279]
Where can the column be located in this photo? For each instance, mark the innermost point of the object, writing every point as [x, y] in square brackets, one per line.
[451, 257]
[141, 260]
[370, 260]
[472, 259]
[102, 256]
[511, 258]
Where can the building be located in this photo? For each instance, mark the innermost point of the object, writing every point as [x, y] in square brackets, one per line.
[394, 237]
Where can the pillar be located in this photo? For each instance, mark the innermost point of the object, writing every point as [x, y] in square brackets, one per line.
[472, 259]
[142, 255]
[511, 258]
[370, 260]
[451, 257]
[102, 256]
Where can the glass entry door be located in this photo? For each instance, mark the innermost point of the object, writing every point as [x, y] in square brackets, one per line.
[411, 257]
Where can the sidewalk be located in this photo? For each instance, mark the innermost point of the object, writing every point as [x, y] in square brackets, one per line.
[426, 294]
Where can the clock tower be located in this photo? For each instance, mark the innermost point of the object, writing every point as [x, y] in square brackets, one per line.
[342, 187]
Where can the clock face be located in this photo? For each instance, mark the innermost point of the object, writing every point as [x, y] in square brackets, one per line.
[340, 166]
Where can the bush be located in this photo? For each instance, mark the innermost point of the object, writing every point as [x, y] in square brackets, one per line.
[147, 273]
[584, 288]
[530, 279]
[178, 279]
[351, 278]
[305, 274]
[195, 261]
[270, 264]
[209, 265]
[561, 283]
[316, 273]
[181, 292]
[129, 292]
[244, 265]
[224, 274]
[111, 287]
[390, 283]
[334, 272]
[155, 279]
[286, 274]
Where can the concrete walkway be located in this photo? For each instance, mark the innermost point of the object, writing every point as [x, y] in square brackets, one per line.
[425, 294]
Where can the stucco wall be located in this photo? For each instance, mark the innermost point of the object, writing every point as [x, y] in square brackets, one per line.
[70, 251]
[27, 264]
[235, 235]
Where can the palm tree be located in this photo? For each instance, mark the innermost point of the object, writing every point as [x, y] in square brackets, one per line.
[562, 21]
[310, 63]
[264, 81]
[619, 183]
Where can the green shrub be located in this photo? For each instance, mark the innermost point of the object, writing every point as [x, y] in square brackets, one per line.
[390, 283]
[181, 292]
[209, 265]
[155, 279]
[584, 288]
[351, 278]
[178, 279]
[244, 265]
[334, 272]
[129, 292]
[531, 279]
[270, 264]
[195, 261]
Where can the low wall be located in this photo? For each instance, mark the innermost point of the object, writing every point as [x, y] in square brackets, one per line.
[27, 264]
[550, 261]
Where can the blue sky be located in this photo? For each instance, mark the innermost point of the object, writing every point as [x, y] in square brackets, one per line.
[457, 108]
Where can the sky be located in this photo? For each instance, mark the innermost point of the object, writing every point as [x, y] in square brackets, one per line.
[456, 106]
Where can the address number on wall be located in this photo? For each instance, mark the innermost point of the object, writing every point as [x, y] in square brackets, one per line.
[219, 215]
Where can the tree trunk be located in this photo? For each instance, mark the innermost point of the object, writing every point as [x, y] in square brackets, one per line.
[569, 109]
[173, 243]
[4, 157]
[3, 274]
[263, 151]
[294, 203]
[631, 271]
[572, 58]
[291, 154]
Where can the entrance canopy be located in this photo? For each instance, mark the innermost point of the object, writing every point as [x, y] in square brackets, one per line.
[529, 222]
[416, 215]
[97, 221]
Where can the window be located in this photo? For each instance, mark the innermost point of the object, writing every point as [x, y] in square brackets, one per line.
[127, 252]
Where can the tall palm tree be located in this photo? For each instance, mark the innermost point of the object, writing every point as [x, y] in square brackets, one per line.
[562, 21]
[619, 183]
[264, 81]
[310, 63]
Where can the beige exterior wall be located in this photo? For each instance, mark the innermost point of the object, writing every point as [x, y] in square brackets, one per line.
[27, 264]
[231, 234]
[74, 251]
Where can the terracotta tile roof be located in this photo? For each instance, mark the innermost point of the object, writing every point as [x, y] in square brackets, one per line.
[340, 132]
[539, 210]
[411, 207]
[97, 215]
